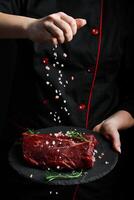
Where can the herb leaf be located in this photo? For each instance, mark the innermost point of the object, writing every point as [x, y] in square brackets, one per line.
[32, 131]
[53, 175]
[77, 135]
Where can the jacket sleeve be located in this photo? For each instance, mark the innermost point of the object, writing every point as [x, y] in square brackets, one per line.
[126, 75]
[8, 56]
[15, 7]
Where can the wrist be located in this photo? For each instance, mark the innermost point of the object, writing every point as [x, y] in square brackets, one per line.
[111, 122]
[121, 120]
[26, 26]
[14, 26]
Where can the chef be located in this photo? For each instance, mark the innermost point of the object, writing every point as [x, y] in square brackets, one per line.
[73, 67]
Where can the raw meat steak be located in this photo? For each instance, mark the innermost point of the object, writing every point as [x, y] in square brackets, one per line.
[59, 151]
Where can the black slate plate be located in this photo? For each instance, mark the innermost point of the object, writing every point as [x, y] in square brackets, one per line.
[103, 164]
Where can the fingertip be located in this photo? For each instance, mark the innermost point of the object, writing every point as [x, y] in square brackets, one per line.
[118, 149]
[81, 22]
[54, 41]
[84, 21]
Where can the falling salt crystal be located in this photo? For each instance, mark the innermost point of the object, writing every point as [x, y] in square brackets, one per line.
[51, 85]
[47, 68]
[53, 142]
[61, 75]
[47, 74]
[68, 113]
[102, 154]
[47, 142]
[64, 85]
[99, 157]
[95, 151]
[59, 79]
[65, 101]
[50, 192]
[56, 91]
[54, 65]
[64, 55]
[60, 82]
[66, 82]
[60, 121]
[56, 46]
[50, 134]
[62, 65]
[61, 108]
[55, 58]
[57, 63]
[51, 113]
[60, 94]
[65, 109]
[31, 175]
[47, 82]
[106, 162]
[55, 54]
[54, 119]
[72, 78]
[56, 193]
[48, 169]
[58, 117]
[58, 150]
[58, 167]
[59, 71]
[57, 97]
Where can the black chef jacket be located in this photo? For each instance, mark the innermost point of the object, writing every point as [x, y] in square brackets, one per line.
[62, 78]
[79, 83]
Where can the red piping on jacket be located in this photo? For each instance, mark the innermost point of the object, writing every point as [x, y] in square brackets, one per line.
[96, 66]
[93, 82]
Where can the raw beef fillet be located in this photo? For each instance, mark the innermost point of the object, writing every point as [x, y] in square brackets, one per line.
[59, 151]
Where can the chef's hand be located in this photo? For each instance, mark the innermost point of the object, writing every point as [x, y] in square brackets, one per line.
[56, 28]
[111, 126]
[110, 131]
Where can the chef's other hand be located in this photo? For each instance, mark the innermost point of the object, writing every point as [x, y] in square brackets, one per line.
[56, 28]
[110, 127]
[110, 131]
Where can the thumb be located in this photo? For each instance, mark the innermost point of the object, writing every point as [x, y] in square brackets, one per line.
[97, 128]
[80, 22]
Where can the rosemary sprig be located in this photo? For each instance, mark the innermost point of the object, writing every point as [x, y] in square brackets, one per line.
[32, 131]
[53, 175]
[77, 135]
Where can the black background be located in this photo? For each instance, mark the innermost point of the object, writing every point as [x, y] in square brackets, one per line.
[9, 51]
